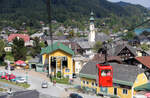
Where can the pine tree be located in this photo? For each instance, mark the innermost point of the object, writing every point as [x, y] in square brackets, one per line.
[19, 50]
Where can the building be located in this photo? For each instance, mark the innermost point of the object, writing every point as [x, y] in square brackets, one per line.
[58, 57]
[25, 37]
[125, 51]
[91, 37]
[126, 79]
[79, 62]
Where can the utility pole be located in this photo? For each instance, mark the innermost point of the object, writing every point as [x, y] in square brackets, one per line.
[50, 26]
[49, 13]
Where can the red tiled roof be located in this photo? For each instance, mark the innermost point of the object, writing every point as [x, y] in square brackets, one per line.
[145, 60]
[25, 37]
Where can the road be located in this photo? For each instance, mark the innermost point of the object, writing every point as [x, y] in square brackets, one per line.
[35, 79]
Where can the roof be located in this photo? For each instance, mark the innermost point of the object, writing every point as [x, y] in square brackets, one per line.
[117, 49]
[144, 87]
[145, 60]
[101, 58]
[37, 35]
[74, 45]
[102, 37]
[54, 41]
[122, 73]
[34, 60]
[57, 46]
[148, 52]
[84, 45]
[25, 37]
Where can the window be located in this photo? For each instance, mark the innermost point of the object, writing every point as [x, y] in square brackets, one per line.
[106, 73]
[115, 91]
[125, 91]
[95, 84]
[92, 83]
[67, 70]
[87, 82]
[83, 82]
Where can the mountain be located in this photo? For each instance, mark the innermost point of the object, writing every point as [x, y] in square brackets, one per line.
[63, 10]
[121, 3]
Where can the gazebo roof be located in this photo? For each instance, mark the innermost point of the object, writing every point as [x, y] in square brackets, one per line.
[57, 46]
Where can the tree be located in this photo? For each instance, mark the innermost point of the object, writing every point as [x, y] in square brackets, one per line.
[36, 47]
[144, 47]
[129, 36]
[2, 52]
[19, 50]
[97, 46]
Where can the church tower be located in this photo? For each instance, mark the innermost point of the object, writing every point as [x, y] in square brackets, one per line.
[91, 37]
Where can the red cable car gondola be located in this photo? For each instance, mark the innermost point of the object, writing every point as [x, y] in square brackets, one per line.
[105, 73]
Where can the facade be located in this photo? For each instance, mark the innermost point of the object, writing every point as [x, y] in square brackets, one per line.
[125, 79]
[8, 49]
[79, 63]
[58, 57]
[125, 51]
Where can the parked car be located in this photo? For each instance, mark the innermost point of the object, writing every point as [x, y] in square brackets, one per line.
[21, 80]
[44, 84]
[15, 79]
[74, 75]
[74, 95]
[2, 75]
[11, 68]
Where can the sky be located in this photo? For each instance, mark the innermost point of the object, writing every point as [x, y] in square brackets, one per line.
[145, 3]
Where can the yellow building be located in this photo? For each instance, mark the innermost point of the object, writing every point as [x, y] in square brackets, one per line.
[58, 57]
[126, 79]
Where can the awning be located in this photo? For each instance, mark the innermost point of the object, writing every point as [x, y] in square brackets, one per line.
[145, 87]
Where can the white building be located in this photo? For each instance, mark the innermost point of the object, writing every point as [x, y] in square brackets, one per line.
[91, 37]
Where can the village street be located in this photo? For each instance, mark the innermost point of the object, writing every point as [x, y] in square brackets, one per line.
[35, 79]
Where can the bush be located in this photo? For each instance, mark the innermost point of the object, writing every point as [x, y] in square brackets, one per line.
[3, 63]
[59, 74]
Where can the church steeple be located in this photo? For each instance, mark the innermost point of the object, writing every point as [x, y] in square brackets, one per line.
[92, 29]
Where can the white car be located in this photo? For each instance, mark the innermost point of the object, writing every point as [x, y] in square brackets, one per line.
[44, 84]
[21, 80]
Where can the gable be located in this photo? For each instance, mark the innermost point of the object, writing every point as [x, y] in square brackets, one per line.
[56, 46]
[140, 80]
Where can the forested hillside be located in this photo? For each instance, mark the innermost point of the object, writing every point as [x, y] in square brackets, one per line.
[33, 11]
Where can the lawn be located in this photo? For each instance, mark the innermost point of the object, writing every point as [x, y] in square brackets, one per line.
[28, 57]
[3, 90]
[24, 85]
[61, 81]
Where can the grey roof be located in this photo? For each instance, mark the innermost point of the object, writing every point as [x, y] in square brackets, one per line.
[116, 50]
[54, 41]
[148, 52]
[37, 35]
[101, 37]
[84, 45]
[34, 60]
[79, 39]
[22, 94]
[124, 72]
